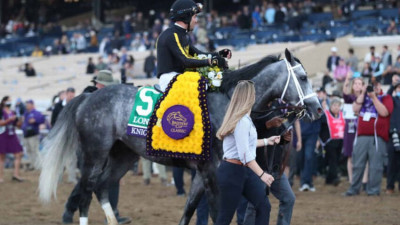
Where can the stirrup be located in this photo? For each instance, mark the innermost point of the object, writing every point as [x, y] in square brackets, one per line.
[158, 88]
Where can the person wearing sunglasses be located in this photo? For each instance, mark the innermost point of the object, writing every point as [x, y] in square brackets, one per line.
[239, 174]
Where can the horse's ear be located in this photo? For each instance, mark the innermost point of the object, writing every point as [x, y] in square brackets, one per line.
[289, 57]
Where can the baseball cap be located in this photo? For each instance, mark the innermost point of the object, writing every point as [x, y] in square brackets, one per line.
[29, 101]
[71, 89]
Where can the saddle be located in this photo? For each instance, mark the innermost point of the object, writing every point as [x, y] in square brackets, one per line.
[179, 125]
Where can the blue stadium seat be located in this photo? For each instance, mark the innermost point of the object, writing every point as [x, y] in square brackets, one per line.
[340, 31]
[389, 13]
[319, 17]
[46, 41]
[106, 31]
[265, 36]
[227, 31]
[220, 42]
[241, 42]
[362, 33]
[367, 22]
[364, 13]
[314, 37]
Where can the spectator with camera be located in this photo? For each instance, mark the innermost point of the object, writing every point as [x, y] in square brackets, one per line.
[374, 110]
[394, 144]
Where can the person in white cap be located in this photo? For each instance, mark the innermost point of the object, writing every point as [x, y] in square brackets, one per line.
[333, 60]
[377, 67]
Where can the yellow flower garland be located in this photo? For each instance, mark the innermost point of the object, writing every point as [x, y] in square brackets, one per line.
[183, 92]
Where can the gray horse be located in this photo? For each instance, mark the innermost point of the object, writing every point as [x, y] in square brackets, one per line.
[95, 125]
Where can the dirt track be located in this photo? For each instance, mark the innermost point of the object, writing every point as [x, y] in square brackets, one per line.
[154, 205]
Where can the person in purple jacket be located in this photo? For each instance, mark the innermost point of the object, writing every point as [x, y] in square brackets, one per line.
[30, 127]
[9, 143]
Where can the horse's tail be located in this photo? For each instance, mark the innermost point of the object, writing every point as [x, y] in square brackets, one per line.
[59, 148]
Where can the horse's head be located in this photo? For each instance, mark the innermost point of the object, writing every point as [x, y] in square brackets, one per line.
[286, 79]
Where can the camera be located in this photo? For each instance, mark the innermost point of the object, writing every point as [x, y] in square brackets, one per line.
[370, 88]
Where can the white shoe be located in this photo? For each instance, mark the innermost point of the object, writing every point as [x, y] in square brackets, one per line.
[312, 189]
[304, 187]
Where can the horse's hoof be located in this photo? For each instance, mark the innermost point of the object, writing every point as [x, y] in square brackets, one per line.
[124, 220]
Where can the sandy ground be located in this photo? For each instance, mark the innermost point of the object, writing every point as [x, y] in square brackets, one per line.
[155, 204]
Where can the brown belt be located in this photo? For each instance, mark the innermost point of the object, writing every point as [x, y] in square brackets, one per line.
[235, 161]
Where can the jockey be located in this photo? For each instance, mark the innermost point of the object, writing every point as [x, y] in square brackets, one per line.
[174, 51]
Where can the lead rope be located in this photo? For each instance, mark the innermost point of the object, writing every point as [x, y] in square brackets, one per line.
[300, 93]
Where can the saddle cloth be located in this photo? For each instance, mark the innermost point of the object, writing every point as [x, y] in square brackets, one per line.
[145, 100]
[180, 124]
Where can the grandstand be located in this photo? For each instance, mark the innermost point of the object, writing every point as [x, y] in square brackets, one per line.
[310, 41]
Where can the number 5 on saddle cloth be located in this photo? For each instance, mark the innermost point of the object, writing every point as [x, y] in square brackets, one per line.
[179, 126]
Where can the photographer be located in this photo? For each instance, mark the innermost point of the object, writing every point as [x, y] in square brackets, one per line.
[374, 110]
[394, 145]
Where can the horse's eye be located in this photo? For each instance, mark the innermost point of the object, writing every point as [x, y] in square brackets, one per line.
[303, 77]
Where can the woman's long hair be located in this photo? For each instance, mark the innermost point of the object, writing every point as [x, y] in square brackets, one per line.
[242, 101]
[352, 84]
[3, 102]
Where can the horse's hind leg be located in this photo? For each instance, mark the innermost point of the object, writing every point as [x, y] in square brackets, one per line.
[120, 161]
[195, 195]
[94, 161]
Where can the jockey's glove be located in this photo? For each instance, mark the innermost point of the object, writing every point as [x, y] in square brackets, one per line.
[226, 53]
[217, 60]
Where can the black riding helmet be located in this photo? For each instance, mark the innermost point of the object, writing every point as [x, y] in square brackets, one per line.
[183, 10]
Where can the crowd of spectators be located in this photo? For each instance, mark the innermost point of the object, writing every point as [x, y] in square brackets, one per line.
[138, 31]
[361, 110]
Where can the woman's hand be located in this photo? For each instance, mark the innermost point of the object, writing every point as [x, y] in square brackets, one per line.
[267, 179]
[12, 118]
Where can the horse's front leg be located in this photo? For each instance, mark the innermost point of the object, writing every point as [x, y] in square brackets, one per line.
[195, 194]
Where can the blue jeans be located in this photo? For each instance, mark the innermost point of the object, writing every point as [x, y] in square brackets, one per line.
[307, 151]
[202, 211]
[241, 211]
[281, 189]
[235, 181]
[177, 173]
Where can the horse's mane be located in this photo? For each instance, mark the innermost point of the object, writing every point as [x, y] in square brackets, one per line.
[246, 73]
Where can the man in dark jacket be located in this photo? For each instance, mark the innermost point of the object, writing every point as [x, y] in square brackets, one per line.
[70, 94]
[150, 65]
[333, 60]
[393, 146]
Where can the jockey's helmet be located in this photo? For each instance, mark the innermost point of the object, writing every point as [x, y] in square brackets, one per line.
[183, 10]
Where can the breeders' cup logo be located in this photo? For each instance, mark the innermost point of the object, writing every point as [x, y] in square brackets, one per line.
[177, 121]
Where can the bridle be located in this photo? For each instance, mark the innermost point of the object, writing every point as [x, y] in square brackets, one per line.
[300, 93]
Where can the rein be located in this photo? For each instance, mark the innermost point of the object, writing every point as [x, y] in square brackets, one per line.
[266, 113]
